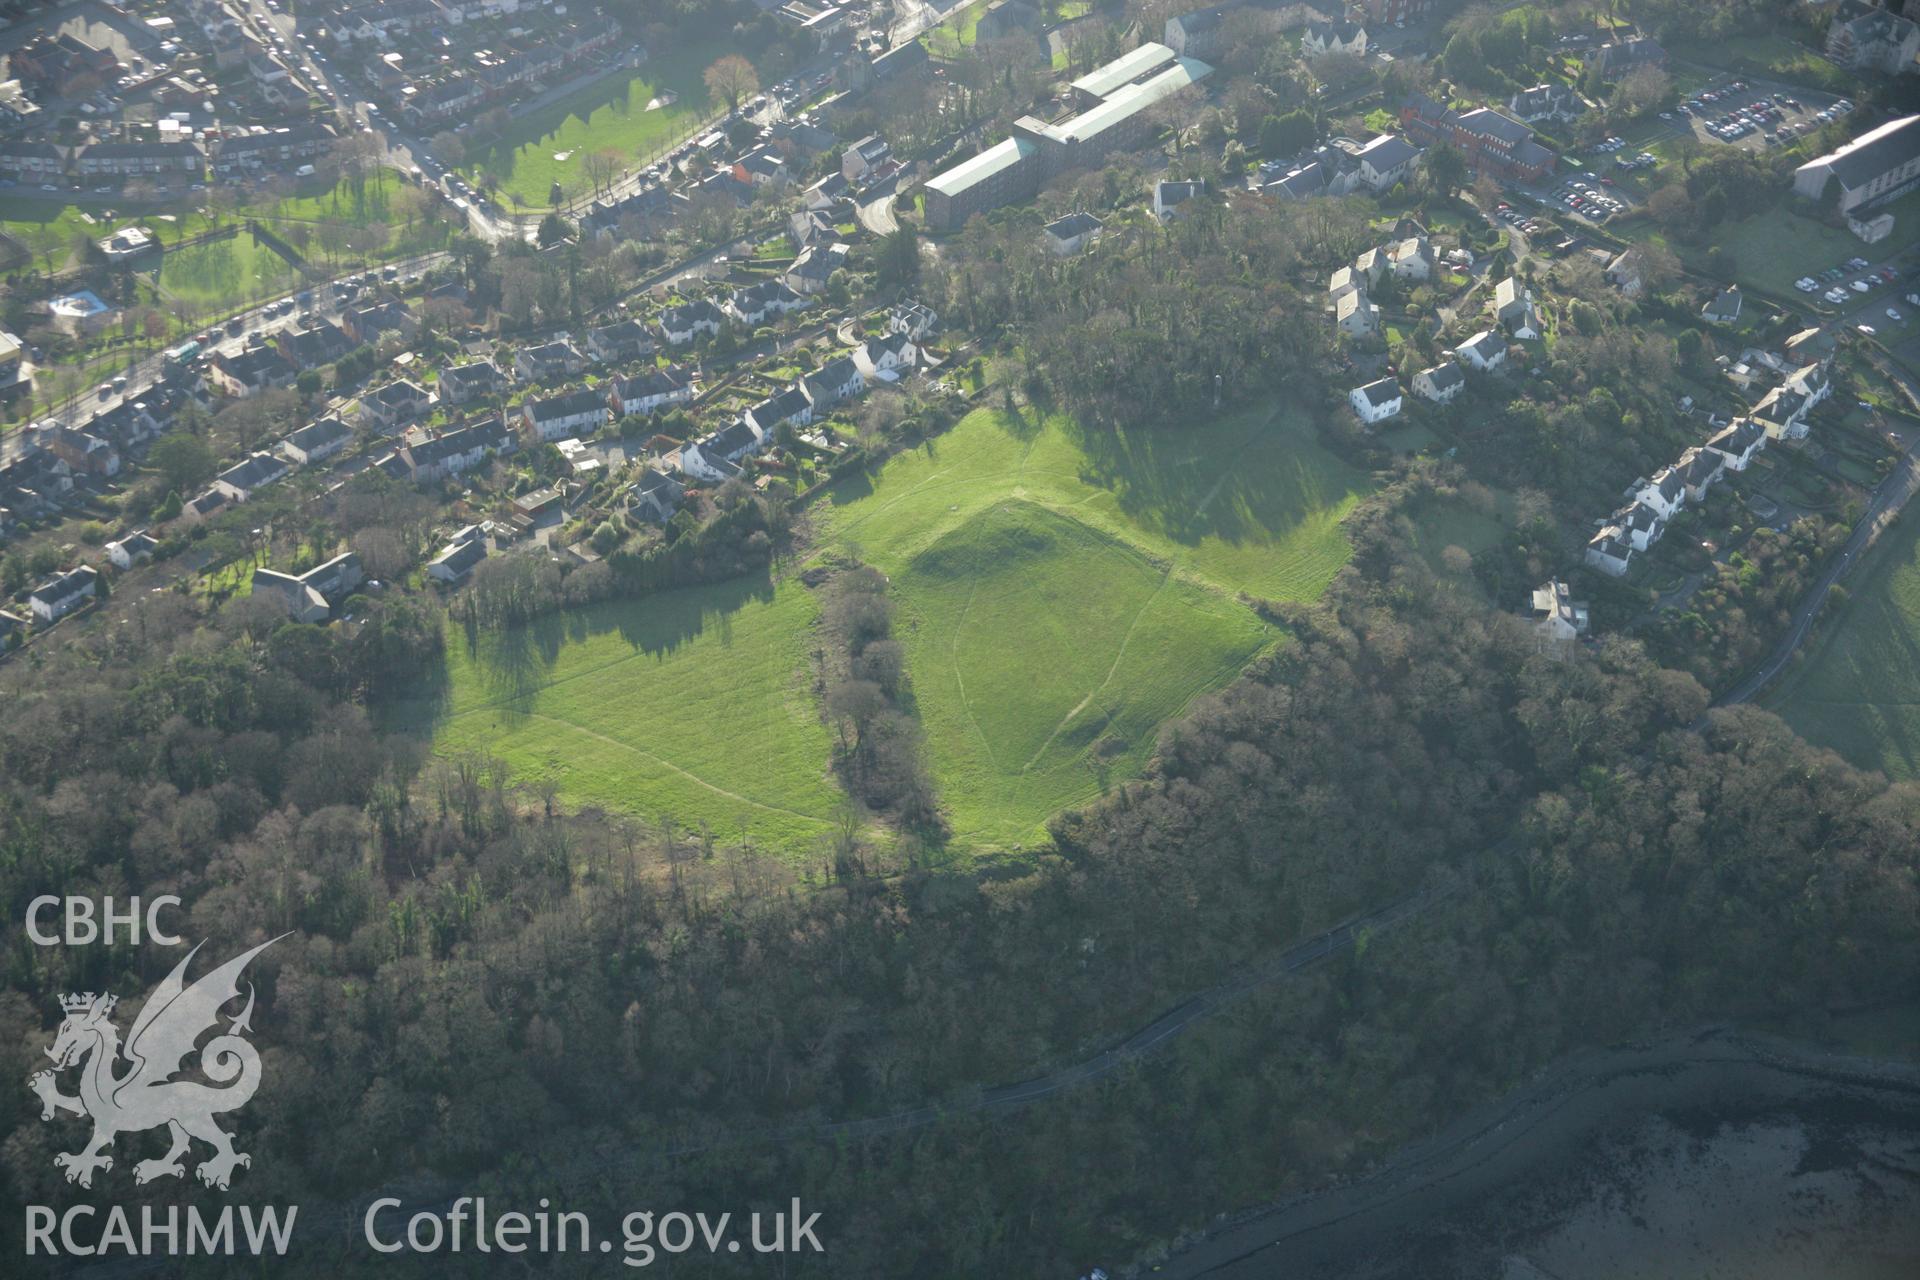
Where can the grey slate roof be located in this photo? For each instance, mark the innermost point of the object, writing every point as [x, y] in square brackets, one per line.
[1381, 391]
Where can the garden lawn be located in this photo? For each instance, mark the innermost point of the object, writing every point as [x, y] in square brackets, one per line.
[693, 705]
[1453, 522]
[1408, 436]
[609, 115]
[1775, 55]
[1859, 691]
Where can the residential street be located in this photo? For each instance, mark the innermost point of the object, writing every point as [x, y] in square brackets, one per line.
[1890, 497]
[145, 372]
[876, 214]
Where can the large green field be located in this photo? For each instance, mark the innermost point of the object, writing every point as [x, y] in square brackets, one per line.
[226, 273]
[1064, 593]
[1248, 502]
[693, 706]
[1046, 654]
[41, 227]
[1060, 596]
[551, 145]
[1859, 691]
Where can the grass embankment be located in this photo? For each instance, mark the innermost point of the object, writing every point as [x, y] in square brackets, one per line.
[1060, 594]
[1066, 593]
[1858, 690]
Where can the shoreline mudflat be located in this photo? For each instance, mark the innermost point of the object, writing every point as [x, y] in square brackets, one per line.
[1703, 1154]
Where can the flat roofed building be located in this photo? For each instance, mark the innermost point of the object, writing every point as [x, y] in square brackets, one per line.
[1000, 175]
[1098, 84]
[1114, 114]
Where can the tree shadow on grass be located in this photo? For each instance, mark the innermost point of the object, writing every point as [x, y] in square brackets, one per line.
[1023, 423]
[1882, 733]
[517, 663]
[1250, 478]
[848, 488]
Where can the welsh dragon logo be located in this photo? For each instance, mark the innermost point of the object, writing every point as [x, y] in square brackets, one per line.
[145, 1096]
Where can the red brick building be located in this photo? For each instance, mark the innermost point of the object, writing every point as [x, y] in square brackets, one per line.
[1491, 142]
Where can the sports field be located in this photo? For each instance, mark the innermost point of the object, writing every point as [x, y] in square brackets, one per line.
[693, 706]
[1859, 690]
[1060, 598]
[551, 144]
